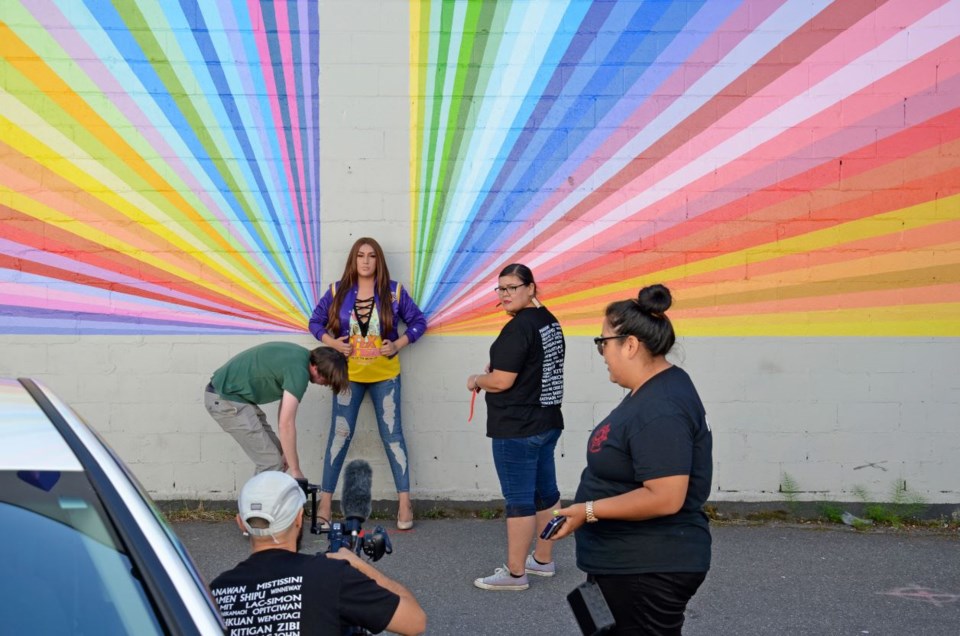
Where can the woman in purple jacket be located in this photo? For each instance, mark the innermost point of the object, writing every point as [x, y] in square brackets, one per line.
[359, 317]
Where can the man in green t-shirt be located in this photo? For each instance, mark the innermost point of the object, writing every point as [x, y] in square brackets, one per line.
[266, 373]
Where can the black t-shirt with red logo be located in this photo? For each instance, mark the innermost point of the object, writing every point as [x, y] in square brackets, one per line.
[659, 431]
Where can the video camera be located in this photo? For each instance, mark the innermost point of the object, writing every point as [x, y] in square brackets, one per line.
[356, 507]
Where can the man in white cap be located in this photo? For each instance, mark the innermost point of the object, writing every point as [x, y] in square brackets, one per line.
[277, 590]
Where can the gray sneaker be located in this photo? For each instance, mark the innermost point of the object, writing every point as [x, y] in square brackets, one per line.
[501, 579]
[540, 569]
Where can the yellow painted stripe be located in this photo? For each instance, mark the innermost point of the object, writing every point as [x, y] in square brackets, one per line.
[415, 101]
[924, 214]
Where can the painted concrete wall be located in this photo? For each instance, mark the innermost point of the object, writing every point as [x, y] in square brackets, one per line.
[824, 343]
[833, 413]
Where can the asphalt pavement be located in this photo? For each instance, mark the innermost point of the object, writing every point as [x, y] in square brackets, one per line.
[768, 579]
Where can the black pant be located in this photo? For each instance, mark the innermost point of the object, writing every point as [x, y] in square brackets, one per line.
[648, 604]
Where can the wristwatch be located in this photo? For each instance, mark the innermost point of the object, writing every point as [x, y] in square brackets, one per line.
[591, 518]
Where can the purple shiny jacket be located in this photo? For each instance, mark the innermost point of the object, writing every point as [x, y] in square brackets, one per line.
[403, 309]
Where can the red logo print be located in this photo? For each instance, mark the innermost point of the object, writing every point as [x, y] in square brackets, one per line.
[599, 437]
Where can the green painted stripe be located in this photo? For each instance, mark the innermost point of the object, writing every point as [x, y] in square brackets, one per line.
[421, 65]
[443, 47]
[452, 132]
[479, 68]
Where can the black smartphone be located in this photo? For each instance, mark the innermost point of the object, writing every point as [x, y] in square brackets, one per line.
[552, 526]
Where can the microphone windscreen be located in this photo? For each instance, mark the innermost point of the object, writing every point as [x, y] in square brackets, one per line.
[357, 482]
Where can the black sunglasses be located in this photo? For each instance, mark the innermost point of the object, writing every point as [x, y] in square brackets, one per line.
[600, 341]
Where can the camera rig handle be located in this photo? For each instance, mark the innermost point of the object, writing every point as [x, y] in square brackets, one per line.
[310, 490]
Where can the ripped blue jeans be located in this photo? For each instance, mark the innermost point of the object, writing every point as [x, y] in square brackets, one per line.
[343, 423]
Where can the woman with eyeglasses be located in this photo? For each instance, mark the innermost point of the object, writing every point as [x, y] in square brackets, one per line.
[359, 317]
[641, 531]
[524, 389]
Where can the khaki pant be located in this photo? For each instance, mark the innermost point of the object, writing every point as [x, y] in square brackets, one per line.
[248, 425]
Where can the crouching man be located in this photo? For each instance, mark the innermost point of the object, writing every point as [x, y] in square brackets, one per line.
[278, 590]
[266, 373]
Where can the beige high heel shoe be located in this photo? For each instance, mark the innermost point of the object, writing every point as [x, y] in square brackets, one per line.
[405, 525]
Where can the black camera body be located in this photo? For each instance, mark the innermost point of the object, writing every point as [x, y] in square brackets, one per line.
[348, 533]
[351, 535]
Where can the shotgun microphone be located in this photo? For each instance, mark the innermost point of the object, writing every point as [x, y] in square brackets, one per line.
[356, 505]
[356, 501]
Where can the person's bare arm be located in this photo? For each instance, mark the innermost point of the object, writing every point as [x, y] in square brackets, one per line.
[288, 433]
[409, 618]
[494, 381]
[655, 498]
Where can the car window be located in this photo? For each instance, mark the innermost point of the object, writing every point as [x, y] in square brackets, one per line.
[65, 570]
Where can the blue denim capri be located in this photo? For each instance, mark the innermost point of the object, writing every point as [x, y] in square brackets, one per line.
[528, 475]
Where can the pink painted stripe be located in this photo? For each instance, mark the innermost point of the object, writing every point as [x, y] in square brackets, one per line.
[260, 37]
[244, 69]
[67, 264]
[49, 297]
[286, 54]
[312, 150]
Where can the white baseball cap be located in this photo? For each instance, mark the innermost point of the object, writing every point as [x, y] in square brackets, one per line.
[273, 496]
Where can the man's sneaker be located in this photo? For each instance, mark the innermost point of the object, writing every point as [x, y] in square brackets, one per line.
[501, 579]
[540, 569]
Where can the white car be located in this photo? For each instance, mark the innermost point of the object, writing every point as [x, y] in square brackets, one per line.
[83, 548]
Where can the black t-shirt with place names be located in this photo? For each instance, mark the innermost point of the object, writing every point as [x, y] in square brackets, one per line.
[284, 592]
[532, 346]
[659, 431]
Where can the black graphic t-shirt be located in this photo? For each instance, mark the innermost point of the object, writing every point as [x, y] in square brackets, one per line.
[283, 592]
[532, 346]
[659, 431]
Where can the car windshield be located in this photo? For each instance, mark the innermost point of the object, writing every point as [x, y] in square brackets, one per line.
[65, 570]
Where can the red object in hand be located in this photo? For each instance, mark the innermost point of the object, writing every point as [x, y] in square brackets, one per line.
[473, 400]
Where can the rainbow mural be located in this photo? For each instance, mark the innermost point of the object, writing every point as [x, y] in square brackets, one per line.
[158, 166]
[787, 167]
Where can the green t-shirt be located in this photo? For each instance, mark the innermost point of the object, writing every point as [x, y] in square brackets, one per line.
[261, 374]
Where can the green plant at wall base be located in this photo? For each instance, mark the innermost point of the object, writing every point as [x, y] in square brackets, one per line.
[199, 513]
[436, 513]
[904, 504]
[912, 503]
[789, 488]
[831, 512]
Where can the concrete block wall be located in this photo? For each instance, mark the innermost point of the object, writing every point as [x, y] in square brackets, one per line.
[812, 409]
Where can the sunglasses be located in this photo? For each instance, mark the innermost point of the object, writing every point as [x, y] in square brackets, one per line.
[601, 341]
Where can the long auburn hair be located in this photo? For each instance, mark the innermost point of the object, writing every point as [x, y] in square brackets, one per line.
[381, 286]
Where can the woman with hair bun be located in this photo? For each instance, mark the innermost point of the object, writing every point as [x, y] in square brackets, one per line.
[641, 531]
